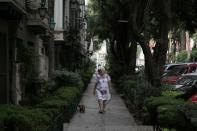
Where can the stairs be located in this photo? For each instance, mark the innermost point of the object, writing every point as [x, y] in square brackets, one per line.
[107, 128]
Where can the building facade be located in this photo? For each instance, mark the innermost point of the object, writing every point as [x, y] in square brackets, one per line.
[36, 38]
[24, 32]
[70, 34]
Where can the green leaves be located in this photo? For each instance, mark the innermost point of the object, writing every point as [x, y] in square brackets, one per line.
[63, 78]
[182, 56]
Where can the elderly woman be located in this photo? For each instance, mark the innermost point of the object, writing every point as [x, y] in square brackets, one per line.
[102, 89]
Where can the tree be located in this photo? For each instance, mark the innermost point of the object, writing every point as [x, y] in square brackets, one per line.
[126, 23]
[182, 56]
[109, 27]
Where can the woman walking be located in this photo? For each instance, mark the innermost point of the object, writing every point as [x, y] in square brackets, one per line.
[102, 89]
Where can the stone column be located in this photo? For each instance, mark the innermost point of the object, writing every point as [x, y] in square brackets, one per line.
[58, 14]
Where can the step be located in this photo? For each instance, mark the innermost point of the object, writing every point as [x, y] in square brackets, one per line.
[106, 128]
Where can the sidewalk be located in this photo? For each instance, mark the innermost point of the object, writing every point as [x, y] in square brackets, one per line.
[116, 118]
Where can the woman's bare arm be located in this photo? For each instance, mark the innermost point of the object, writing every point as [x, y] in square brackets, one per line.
[94, 90]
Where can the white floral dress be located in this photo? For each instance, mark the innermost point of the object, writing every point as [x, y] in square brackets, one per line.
[102, 89]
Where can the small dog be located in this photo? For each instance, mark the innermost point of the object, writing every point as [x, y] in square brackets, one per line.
[81, 108]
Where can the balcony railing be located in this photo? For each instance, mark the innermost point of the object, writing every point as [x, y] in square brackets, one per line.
[21, 3]
[12, 9]
[35, 23]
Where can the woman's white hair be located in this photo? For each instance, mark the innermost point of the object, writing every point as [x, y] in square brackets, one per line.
[101, 68]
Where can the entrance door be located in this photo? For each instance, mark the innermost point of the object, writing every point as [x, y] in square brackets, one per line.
[3, 70]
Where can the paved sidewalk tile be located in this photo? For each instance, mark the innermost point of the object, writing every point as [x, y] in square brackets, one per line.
[116, 118]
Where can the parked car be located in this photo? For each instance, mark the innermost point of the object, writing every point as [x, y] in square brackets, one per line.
[185, 81]
[187, 84]
[189, 92]
[171, 76]
[169, 67]
[193, 99]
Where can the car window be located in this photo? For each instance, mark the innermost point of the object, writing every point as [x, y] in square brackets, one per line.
[177, 71]
[171, 67]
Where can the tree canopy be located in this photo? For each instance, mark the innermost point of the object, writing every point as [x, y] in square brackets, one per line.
[126, 23]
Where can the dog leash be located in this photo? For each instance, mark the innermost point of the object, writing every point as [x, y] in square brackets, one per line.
[108, 101]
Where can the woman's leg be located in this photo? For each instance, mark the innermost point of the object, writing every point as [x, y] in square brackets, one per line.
[100, 102]
[104, 104]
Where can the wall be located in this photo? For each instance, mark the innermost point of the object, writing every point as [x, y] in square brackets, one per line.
[4, 73]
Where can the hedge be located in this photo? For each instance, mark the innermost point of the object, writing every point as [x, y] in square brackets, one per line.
[16, 117]
[168, 112]
[63, 100]
[165, 111]
[86, 76]
[55, 108]
[40, 117]
[63, 77]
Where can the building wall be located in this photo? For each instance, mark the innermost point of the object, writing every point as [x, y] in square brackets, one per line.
[15, 31]
[4, 74]
[43, 60]
[3, 25]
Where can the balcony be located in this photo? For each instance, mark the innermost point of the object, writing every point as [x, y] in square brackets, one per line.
[37, 26]
[12, 9]
[35, 23]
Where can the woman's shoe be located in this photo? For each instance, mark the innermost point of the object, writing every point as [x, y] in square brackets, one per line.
[101, 112]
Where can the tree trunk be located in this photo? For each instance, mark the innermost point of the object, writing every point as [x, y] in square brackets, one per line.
[132, 57]
[161, 47]
[151, 73]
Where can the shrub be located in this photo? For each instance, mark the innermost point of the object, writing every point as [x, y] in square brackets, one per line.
[41, 117]
[125, 77]
[65, 78]
[136, 90]
[64, 99]
[123, 81]
[86, 76]
[153, 102]
[51, 87]
[23, 118]
[190, 110]
[182, 56]
[193, 56]
[166, 129]
[167, 87]
[171, 93]
[170, 116]
[128, 89]
[34, 91]
[167, 111]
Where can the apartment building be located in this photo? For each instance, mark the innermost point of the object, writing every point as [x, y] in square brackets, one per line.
[24, 31]
[70, 34]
